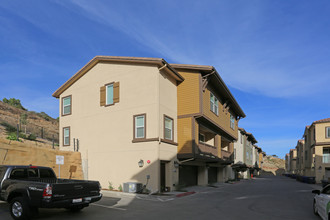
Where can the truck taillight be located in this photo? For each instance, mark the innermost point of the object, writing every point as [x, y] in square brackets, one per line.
[47, 192]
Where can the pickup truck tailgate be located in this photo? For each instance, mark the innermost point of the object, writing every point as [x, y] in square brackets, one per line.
[74, 189]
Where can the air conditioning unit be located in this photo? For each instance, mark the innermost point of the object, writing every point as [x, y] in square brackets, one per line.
[132, 187]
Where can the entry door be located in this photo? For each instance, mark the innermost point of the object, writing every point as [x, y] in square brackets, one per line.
[162, 176]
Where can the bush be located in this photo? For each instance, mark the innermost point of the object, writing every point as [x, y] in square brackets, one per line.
[120, 188]
[9, 128]
[32, 137]
[12, 136]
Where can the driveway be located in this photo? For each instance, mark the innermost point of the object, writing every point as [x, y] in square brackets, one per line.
[267, 198]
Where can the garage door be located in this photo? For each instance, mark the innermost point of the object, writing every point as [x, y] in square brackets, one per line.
[188, 175]
[213, 174]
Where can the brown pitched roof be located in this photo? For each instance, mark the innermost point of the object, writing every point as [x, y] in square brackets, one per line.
[116, 59]
[211, 71]
[322, 121]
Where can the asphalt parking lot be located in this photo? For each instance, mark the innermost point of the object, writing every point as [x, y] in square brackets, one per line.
[262, 198]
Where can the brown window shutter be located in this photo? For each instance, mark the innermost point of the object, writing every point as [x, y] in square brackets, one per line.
[116, 92]
[102, 96]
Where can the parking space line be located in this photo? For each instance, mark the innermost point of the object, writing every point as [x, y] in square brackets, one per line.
[109, 207]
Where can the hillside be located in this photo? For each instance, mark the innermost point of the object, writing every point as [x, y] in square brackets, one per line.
[273, 166]
[40, 125]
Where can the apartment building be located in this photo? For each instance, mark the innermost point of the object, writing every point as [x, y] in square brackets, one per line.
[246, 155]
[293, 160]
[300, 148]
[287, 163]
[145, 120]
[208, 116]
[121, 114]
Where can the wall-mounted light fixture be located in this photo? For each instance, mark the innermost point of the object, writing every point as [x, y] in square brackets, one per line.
[141, 163]
[176, 164]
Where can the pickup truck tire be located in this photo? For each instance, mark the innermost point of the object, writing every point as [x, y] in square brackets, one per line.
[19, 209]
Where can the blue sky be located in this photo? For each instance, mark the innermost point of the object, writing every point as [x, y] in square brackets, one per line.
[273, 55]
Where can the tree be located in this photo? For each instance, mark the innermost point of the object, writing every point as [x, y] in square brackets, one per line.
[14, 102]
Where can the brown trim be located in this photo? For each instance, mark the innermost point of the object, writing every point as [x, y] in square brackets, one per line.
[200, 93]
[320, 144]
[106, 93]
[169, 142]
[69, 136]
[326, 133]
[116, 59]
[145, 127]
[138, 140]
[62, 106]
[189, 115]
[166, 116]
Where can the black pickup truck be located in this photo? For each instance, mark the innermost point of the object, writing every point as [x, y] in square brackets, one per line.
[27, 188]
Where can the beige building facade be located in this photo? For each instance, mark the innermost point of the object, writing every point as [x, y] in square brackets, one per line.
[121, 114]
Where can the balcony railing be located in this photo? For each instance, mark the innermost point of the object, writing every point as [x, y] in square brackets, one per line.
[205, 148]
[326, 158]
[226, 155]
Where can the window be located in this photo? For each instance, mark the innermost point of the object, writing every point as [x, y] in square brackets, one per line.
[214, 104]
[168, 128]
[109, 94]
[139, 126]
[32, 173]
[327, 132]
[201, 138]
[46, 173]
[326, 155]
[66, 136]
[66, 105]
[232, 122]
[18, 174]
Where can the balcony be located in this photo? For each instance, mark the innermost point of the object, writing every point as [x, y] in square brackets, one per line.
[226, 155]
[208, 149]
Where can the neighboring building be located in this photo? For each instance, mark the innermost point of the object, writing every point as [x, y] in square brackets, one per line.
[293, 158]
[208, 116]
[136, 119]
[245, 153]
[121, 113]
[287, 163]
[300, 148]
[318, 141]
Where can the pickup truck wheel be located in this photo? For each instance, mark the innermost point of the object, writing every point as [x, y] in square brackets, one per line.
[19, 209]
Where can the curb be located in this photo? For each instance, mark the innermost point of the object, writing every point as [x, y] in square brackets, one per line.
[185, 194]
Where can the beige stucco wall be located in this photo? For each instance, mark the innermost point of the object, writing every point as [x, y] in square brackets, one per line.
[320, 132]
[105, 133]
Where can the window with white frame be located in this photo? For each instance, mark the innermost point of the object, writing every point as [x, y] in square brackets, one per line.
[109, 94]
[327, 132]
[139, 122]
[214, 104]
[168, 128]
[66, 136]
[66, 105]
[326, 155]
[232, 122]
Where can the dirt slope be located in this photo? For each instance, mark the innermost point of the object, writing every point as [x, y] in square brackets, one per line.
[273, 165]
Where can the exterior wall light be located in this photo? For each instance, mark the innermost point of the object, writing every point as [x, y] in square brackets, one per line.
[176, 164]
[141, 163]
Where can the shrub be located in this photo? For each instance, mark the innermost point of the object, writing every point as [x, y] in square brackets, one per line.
[9, 128]
[120, 188]
[110, 185]
[32, 137]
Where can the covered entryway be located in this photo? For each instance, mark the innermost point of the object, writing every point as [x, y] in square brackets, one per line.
[188, 175]
[213, 175]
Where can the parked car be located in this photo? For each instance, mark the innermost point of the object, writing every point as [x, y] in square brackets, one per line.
[27, 188]
[321, 203]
